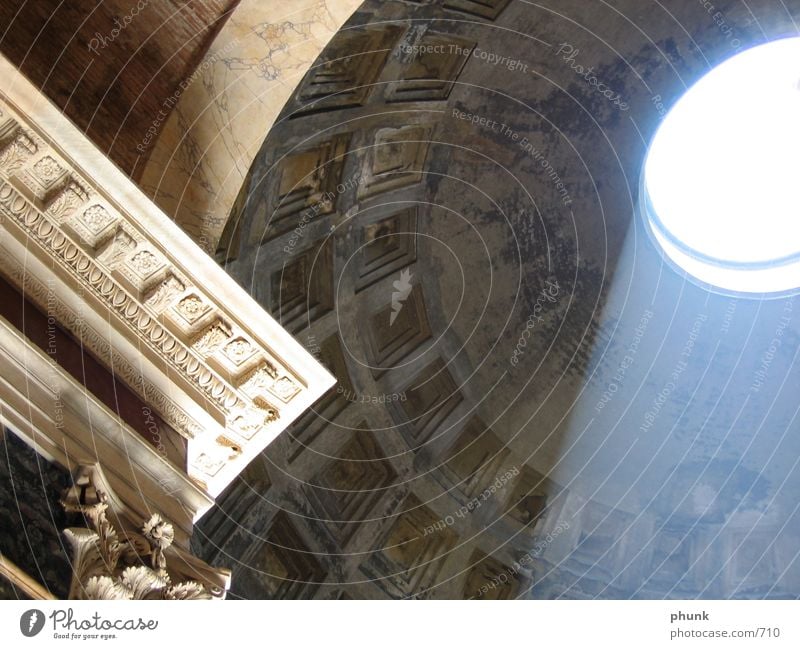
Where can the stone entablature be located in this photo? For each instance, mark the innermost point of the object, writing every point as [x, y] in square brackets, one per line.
[81, 241]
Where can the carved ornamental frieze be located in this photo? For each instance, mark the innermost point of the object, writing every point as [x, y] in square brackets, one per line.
[83, 242]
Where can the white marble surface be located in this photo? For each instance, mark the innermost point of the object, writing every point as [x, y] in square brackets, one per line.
[206, 146]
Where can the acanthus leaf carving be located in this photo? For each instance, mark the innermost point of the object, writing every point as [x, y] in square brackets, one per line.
[160, 297]
[116, 249]
[211, 339]
[17, 152]
[67, 200]
[108, 565]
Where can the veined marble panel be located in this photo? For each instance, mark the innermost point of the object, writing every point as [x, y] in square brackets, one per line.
[207, 145]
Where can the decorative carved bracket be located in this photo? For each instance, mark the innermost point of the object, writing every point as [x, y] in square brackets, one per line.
[115, 562]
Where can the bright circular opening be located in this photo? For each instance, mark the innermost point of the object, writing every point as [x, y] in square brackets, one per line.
[720, 184]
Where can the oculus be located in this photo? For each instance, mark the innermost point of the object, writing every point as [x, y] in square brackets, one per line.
[719, 187]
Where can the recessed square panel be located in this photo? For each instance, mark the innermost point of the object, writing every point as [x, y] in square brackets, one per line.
[348, 487]
[302, 289]
[475, 457]
[412, 557]
[396, 159]
[489, 9]
[397, 330]
[386, 246]
[431, 396]
[434, 63]
[491, 579]
[345, 77]
[310, 426]
[282, 567]
[303, 190]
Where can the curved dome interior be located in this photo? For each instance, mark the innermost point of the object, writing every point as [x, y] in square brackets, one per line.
[444, 213]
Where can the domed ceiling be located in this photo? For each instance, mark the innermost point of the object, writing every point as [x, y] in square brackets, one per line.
[531, 403]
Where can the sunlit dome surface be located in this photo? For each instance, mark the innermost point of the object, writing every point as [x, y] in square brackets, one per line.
[722, 177]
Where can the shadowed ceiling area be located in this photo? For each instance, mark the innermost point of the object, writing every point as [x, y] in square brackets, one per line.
[531, 402]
